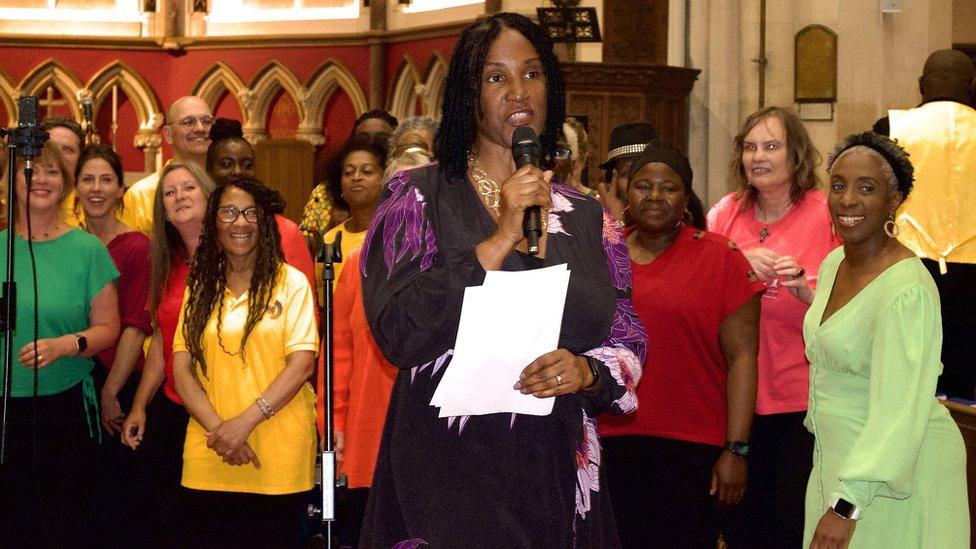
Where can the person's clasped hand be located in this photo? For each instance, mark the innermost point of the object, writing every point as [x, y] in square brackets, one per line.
[555, 373]
[229, 441]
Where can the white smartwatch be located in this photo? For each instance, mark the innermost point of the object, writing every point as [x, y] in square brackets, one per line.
[845, 509]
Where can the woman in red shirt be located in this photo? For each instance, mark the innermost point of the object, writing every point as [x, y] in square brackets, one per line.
[669, 464]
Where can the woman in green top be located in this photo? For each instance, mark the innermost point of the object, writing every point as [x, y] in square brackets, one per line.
[889, 463]
[53, 412]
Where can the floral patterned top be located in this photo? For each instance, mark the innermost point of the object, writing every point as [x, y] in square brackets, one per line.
[318, 211]
[497, 480]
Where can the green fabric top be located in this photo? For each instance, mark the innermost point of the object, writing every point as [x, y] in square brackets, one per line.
[71, 270]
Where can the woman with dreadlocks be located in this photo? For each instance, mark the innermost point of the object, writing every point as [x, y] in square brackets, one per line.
[244, 349]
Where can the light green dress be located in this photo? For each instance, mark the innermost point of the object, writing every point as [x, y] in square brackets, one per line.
[883, 442]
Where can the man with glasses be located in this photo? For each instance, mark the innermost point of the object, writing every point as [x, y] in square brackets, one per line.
[187, 128]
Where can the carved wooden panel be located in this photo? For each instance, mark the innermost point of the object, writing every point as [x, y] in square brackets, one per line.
[635, 31]
[286, 165]
[609, 94]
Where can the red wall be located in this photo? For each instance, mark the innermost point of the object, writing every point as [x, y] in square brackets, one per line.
[172, 75]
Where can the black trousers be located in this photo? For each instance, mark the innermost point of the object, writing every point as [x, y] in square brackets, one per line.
[659, 491]
[161, 468]
[771, 512]
[120, 494]
[45, 486]
[957, 293]
[235, 519]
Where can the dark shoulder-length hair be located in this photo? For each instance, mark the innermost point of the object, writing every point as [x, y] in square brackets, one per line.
[374, 145]
[208, 275]
[804, 157]
[462, 91]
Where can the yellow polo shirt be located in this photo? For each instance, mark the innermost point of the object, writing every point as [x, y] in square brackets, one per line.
[285, 444]
[137, 204]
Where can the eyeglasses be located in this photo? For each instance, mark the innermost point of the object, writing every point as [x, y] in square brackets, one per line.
[229, 214]
[561, 154]
[191, 121]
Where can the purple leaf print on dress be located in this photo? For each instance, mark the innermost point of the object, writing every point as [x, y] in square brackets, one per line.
[626, 371]
[618, 260]
[405, 229]
[587, 467]
[628, 332]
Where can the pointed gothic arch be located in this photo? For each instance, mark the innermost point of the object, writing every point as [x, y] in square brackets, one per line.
[404, 93]
[218, 79]
[53, 73]
[140, 93]
[329, 77]
[434, 78]
[264, 88]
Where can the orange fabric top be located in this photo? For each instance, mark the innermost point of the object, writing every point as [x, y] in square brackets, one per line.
[363, 379]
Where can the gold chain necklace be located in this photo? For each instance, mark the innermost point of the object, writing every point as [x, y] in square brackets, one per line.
[488, 188]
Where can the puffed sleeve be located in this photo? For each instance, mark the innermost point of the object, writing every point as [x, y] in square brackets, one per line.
[412, 289]
[342, 343]
[625, 347]
[904, 367]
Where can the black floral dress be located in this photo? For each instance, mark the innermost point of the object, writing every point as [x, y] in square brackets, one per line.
[498, 480]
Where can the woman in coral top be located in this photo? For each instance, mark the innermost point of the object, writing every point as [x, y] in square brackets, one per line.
[781, 223]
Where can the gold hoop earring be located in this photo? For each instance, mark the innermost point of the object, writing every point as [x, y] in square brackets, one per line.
[687, 218]
[890, 228]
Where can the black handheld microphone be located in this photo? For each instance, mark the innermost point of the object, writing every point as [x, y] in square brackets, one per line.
[525, 150]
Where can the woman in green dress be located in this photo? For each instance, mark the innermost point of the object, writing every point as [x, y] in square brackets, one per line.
[889, 463]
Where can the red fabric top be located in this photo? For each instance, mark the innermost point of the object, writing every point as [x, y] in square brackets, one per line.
[682, 297]
[130, 252]
[295, 249]
[167, 317]
[363, 379]
[806, 234]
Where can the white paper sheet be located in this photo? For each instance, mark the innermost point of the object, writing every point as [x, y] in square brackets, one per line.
[506, 323]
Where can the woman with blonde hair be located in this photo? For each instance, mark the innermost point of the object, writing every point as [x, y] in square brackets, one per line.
[181, 202]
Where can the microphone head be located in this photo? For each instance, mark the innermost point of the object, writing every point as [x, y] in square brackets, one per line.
[524, 136]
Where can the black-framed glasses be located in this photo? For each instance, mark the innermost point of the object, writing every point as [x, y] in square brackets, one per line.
[191, 121]
[229, 214]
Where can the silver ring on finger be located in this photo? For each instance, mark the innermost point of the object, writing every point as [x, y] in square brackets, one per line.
[559, 379]
[40, 358]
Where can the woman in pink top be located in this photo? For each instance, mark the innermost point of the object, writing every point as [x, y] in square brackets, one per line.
[782, 225]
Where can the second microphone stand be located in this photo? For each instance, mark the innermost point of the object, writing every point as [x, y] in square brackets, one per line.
[328, 254]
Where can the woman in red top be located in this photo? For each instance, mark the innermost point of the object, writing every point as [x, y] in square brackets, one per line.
[99, 191]
[178, 211]
[781, 223]
[666, 467]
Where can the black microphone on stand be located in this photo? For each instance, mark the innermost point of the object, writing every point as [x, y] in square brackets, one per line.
[87, 109]
[525, 150]
[27, 137]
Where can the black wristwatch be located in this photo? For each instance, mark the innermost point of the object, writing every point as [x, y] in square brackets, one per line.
[594, 369]
[82, 343]
[845, 509]
[737, 447]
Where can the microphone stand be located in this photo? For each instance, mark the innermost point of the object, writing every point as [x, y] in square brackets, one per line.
[8, 295]
[26, 141]
[328, 254]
